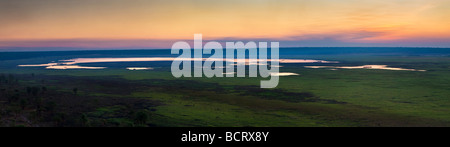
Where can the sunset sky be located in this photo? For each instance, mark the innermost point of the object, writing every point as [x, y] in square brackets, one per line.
[159, 23]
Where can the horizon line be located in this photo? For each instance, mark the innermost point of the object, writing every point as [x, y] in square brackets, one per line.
[30, 49]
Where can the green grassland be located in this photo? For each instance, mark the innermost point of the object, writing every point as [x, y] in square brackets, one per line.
[317, 97]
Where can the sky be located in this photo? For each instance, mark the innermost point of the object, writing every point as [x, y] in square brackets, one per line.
[113, 24]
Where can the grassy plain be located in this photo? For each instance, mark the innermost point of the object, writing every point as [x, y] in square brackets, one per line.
[317, 97]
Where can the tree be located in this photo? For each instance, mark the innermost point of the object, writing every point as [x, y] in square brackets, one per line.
[35, 91]
[10, 79]
[50, 107]
[141, 117]
[84, 120]
[38, 104]
[23, 103]
[14, 98]
[75, 90]
[60, 118]
[2, 78]
[28, 90]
